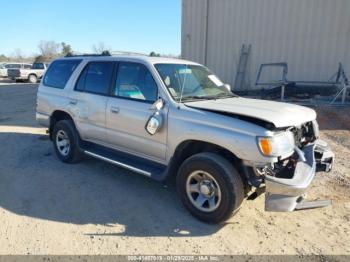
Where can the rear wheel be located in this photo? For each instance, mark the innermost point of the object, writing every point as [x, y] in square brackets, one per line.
[32, 79]
[210, 187]
[66, 142]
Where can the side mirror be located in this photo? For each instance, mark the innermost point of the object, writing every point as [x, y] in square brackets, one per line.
[228, 87]
[158, 105]
[154, 123]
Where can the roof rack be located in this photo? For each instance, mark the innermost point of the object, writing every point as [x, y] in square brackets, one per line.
[107, 53]
[104, 53]
[127, 53]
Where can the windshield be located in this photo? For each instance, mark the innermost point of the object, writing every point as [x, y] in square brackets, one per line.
[191, 82]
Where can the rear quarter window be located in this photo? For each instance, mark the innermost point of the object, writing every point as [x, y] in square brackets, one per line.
[59, 73]
[38, 66]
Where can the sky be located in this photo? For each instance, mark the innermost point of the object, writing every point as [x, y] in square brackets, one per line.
[124, 25]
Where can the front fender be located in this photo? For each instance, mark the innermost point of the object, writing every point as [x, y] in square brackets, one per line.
[237, 136]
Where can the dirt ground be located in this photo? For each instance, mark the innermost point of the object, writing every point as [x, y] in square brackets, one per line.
[47, 207]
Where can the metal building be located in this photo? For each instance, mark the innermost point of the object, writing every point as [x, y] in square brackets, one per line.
[312, 36]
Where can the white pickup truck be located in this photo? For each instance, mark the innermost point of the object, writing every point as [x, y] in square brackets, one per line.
[28, 74]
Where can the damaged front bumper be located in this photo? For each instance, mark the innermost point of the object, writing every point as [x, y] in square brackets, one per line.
[286, 194]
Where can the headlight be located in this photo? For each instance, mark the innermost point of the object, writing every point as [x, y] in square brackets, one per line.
[278, 145]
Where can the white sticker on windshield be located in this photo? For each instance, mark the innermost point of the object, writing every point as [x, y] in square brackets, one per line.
[215, 80]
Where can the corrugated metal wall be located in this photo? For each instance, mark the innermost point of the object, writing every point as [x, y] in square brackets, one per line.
[313, 36]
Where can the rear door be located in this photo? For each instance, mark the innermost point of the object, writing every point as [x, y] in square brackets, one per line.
[89, 100]
[128, 110]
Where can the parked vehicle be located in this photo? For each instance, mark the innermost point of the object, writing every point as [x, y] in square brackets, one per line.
[32, 74]
[4, 67]
[3, 70]
[163, 117]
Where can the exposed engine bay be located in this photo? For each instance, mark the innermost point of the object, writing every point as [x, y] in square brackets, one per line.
[303, 135]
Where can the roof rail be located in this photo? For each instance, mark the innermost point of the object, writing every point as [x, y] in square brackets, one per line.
[127, 53]
[104, 53]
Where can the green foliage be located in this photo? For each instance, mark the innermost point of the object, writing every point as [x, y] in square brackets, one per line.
[154, 54]
[66, 49]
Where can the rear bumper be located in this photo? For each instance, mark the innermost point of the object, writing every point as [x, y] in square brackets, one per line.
[286, 194]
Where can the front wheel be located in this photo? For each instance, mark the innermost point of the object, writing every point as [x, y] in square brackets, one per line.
[210, 187]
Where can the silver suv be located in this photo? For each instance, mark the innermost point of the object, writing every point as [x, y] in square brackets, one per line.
[162, 117]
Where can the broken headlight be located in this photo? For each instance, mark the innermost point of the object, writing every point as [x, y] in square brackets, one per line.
[278, 145]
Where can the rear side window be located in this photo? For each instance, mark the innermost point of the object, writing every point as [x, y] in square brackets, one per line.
[59, 73]
[96, 78]
[38, 66]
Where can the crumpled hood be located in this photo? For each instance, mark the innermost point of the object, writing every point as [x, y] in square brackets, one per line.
[279, 114]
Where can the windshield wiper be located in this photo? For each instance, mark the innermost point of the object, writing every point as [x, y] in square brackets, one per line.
[208, 97]
[196, 97]
[226, 95]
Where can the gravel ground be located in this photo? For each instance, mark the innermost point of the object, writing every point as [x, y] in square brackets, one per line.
[47, 207]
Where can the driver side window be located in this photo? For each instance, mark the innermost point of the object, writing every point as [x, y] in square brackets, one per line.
[135, 81]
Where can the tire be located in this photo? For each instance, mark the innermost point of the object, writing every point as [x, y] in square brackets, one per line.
[227, 184]
[32, 79]
[65, 130]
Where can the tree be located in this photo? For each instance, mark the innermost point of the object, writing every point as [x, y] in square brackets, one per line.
[100, 48]
[40, 59]
[17, 55]
[49, 49]
[153, 54]
[66, 49]
[3, 58]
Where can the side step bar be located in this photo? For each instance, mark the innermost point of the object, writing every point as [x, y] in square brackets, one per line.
[114, 162]
[130, 162]
[312, 204]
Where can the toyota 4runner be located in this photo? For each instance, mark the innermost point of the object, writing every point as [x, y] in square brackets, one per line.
[162, 117]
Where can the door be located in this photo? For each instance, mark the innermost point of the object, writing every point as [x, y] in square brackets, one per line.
[128, 110]
[89, 99]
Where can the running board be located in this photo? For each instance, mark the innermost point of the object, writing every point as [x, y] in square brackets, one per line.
[313, 204]
[131, 168]
[130, 162]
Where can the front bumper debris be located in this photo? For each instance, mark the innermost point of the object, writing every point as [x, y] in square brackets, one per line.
[286, 194]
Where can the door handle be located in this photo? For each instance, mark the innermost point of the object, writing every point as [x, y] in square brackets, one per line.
[114, 109]
[73, 101]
